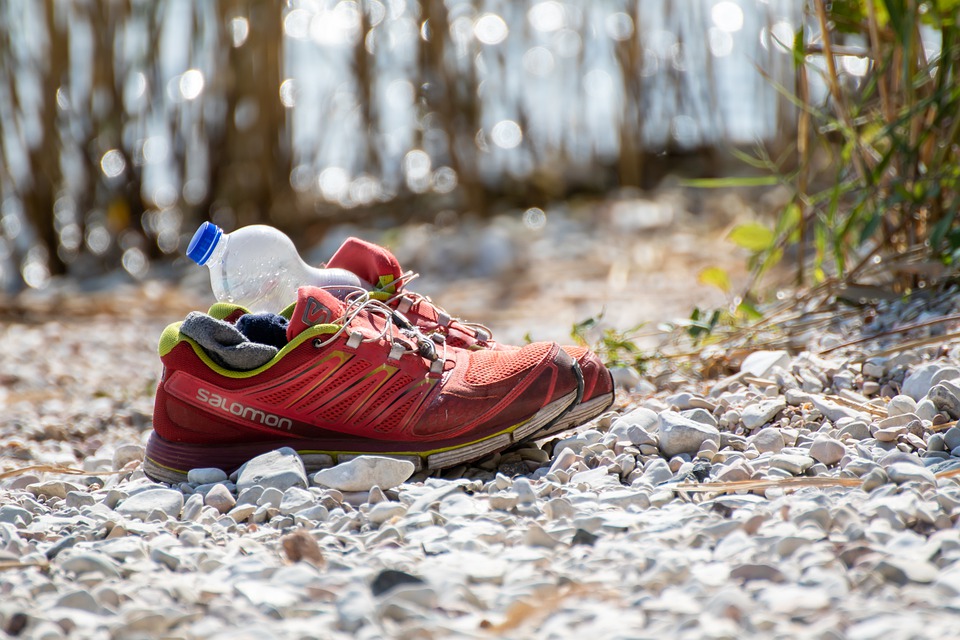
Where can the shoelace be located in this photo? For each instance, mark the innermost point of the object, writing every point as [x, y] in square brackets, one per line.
[403, 340]
[405, 300]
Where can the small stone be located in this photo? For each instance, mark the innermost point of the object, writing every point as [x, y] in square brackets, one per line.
[384, 511]
[657, 471]
[791, 463]
[926, 410]
[270, 497]
[389, 579]
[749, 572]
[91, 563]
[919, 382]
[873, 479]
[640, 417]
[856, 430]
[945, 396]
[15, 515]
[873, 369]
[766, 440]
[206, 475]
[624, 498]
[827, 450]
[52, 489]
[936, 442]
[80, 599]
[901, 420]
[890, 434]
[756, 415]
[900, 405]
[901, 472]
[525, 492]
[903, 570]
[220, 498]
[242, 511]
[557, 508]
[700, 415]
[141, 505]
[125, 454]
[364, 472]
[681, 435]
[279, 469]
[831, 410]
[301, 546]
[951, 438]
[314, 514]
[760, 363]
[564, 460]
[537, 537]
[504, 501]
[625, 377]
[735, 472]
[192, 508]
[79, 499]
[376, 495]
[580, 536]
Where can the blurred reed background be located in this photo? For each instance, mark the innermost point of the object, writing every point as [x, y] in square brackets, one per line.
[124, 123]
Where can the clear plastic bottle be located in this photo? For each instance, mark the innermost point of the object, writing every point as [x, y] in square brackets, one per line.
[258, 267]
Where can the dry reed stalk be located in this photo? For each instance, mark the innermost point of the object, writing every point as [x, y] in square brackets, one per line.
[13, 564]
[890, 332]
[50, 468]
[755, 485]
[866, 408]
[912, 344]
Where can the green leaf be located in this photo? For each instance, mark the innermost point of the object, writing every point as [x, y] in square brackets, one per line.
[752, 236]
[788, 224]
[723, 183]
[748, 311]
[716, 277]
[579, 331]
[873, 223]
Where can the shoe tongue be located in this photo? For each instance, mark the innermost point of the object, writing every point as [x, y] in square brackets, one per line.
[369, 262]
[314, 306]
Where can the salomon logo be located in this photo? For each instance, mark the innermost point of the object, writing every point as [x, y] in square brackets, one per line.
[315, 312]
[242, 411]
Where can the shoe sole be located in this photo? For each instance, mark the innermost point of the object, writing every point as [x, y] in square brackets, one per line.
[577, 416]
[168, 461]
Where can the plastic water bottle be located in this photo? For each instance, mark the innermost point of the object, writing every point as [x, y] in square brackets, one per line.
[258, 267]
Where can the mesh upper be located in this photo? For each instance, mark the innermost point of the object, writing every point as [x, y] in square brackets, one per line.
[490, 367]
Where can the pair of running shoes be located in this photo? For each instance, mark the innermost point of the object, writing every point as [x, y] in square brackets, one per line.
[384, 372]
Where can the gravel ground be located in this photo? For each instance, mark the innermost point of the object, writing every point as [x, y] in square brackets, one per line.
[803, 496]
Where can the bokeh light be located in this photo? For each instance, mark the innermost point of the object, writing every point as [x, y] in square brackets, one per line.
[727, 16]
[534, 218]
[506, 134]
[239, 30]
[112, 163]
[191, 84]
[490, 29]
[546, 16]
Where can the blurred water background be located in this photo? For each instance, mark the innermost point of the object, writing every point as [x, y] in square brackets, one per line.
[124, 123]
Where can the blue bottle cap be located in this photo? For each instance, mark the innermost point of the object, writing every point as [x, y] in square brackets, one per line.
[203, 242]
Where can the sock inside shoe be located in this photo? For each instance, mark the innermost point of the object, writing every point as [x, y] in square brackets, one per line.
[225, 344]
[265, 328]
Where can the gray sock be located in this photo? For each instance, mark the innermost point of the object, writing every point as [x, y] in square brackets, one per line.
[224, 343]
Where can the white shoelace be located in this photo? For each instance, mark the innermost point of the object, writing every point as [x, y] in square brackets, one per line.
[483, 333]
[403, 341]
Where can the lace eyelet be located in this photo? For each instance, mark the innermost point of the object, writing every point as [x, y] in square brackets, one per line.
[317, 343]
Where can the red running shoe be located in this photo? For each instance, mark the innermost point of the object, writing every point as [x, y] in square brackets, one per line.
[349, 382]
[380, 268]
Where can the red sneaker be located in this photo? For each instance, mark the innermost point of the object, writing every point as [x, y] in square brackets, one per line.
[350, 382]
[377, 266]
